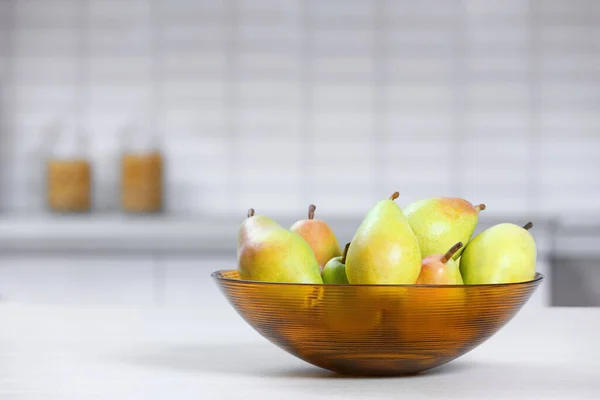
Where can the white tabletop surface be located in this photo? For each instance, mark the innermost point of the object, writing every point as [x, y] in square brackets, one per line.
[62, 352]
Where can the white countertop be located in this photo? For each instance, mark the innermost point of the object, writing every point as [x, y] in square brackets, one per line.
[53, 352]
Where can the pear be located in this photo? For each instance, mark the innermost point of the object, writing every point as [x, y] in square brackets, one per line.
[343, 310]
[335, 270]
[441, 269]
[384, 249]
[504, 253]
[440, 222]
[319, 236]
[268, 252]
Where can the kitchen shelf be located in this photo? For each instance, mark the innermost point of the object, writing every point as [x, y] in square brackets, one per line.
[115, 233]
[174, 233]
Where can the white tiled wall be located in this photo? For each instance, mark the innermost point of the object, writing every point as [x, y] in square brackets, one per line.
[278, 103]
[111, 280]
[169, 280]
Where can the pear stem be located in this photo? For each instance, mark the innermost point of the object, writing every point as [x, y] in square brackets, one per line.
[450, 253]
[394, 196]
[345, 253]
[251, 212]
[480, 207]
[528, 226]
[311, 211]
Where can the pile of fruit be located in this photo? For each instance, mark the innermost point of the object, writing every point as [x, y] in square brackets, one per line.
[429, 242]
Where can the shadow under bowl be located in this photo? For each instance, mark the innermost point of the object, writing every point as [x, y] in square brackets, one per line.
[377, 330]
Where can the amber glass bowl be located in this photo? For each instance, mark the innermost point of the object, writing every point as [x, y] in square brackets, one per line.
[375, 329]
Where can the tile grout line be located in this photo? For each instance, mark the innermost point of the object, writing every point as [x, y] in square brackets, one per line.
[231, 112]
[307, 108]
[459, 104]
[533, 192]
[157, 75]
[380, 107]
[158, 132]
[83, 87]
[8, 111]
[81, 97]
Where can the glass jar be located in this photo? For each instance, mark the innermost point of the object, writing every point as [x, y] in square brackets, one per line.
[69, 185]
[141, 182]
[141, 173]
[68, 171]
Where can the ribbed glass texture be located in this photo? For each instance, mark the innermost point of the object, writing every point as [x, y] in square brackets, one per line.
[375, 329]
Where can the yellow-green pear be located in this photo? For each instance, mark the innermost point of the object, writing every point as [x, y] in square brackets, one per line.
[440, 222]
[384, 249]
[268, 252]
[504, 253]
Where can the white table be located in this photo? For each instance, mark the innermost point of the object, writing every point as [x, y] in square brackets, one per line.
[61, 352]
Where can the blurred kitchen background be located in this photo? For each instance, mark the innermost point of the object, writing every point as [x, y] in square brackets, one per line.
[135, 134]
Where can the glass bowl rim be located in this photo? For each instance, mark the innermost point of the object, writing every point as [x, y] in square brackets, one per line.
[218, 275]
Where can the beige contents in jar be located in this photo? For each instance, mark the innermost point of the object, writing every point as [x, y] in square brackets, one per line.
[141, 182]
[69, 185]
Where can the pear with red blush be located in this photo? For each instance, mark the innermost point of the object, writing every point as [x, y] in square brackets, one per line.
[441, 269]
[319, 236]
